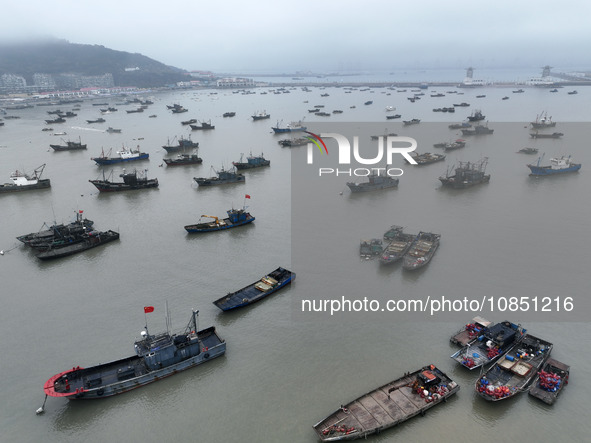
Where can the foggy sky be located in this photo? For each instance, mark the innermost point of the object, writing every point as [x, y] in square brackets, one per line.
[280, 36]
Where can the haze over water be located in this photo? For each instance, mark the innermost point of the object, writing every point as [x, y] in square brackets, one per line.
[285, 370]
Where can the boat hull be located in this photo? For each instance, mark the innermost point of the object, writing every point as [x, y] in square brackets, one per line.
[209, 227]
[112, 160]
[106, 186]
[250, 294]
[41, 184]
[547, 170]
[105, 237]
[214, 181]
[241, 166]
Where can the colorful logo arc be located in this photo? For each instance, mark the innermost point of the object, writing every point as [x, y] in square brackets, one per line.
[315, 139]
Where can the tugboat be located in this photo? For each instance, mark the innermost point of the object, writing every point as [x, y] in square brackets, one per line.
[260, 116]
[396, 249]
[466, 174]
[69, 146]
[478, 130]
[183, 143]
[292, 127]
[236, 217]
[131, 181]
[25, 182]
[156, 357]
[184, 159]
[560, 165]
[122, 156]
[421, 251]
[375, 182]
[88, 240]
[251, 162]
[224, 177]
[269, 284]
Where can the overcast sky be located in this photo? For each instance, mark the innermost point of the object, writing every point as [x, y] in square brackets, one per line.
[279, 36]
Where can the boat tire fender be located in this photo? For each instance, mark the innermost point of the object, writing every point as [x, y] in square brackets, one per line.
[206, 355]
[100, 392]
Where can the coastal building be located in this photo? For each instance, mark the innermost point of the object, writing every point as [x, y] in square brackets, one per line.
[235, 82]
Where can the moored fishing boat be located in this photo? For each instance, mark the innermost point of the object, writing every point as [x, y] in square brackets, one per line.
[398, 246]
[156, 357]
[260, 116]
[90, 240]
[550, 381]
[466, 174]
[421, 251]
[182, 143]
[256, 291]
[69, 146]
[414, 121]
[515, 371]
[131, 181]
[252, 161]
[426, 158]
[125, 155]
[98, 120]
[490, 346]
[528, 151]
[476, 116]
[224, 177]
[184, 159]
[48, 235]
[292, 127]
[374, 183]
[541, 135]
[471, 331]
[389, 405]
[204, 126]
[22, 181]
[560, 165]
[111, 130]
[543, 121]
[289, 143]
[236, 217]
[478, 130]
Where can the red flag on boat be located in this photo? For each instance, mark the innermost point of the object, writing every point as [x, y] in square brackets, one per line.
[148, 309]
[80, 212]
[247, 196]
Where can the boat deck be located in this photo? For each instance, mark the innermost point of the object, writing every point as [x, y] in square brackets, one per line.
[380, 409]
[555, 367]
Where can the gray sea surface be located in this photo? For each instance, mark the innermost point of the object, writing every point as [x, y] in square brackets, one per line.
[285, 370]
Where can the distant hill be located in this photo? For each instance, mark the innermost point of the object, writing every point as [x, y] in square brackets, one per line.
[59, 56]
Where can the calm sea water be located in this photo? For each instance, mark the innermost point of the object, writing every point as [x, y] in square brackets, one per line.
[285, 370]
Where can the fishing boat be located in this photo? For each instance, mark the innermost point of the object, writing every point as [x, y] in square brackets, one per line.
[515, 371]
[461, 105]
[560, 165]
[471, 331]
[550, 381]
[252, 161]
[125, 155]
[182, 143]
[224, 177]
[528, 151]
[398, 246]
[466, 174]
[460, 126]
[260, 116]
[490, 346]
[292, 127]
[156, 357]
[478, 130]
[131, 181]
[90, 240]
[394, 116]
[69, 146]
[392, 233]
[541, 135]
[134, 111]
[387, 406]
[229, 114]
[184, 159]
[476, 116]
[204, 126]
[421, 251]
[52, 121]
[256, 291]
[292, 142]
[365, 249]
[57, 230]
[188, 122]
[414, 121]
[369, 102]
[426, 158]
[111, 130]
[21, 181]
[543, 121]
[374, 183]
[98, 120]
[236, 217]
[386, 134]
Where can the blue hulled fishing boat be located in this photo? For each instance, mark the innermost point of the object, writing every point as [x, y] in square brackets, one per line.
[557, 166]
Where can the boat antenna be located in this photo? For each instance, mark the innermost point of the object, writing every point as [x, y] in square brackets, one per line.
[168, 321]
